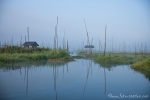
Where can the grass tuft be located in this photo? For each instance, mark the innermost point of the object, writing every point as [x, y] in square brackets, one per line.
[143, 67]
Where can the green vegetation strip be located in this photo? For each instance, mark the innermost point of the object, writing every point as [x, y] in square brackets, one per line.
[118, 58]
[143, 67]
[60, 55]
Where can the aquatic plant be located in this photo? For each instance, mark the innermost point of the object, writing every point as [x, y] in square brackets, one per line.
[35, 56]
[142, 67]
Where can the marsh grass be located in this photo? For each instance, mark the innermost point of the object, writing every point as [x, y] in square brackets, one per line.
[142, 67]
[116, 58]
[35, 56]
[139, 65]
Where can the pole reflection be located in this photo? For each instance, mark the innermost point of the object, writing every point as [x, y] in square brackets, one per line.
[55, 75]
[89, 66]
[26, 78]
[104, 81]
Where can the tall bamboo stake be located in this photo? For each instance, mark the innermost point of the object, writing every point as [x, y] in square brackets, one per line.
[12, 40]
[91, 44]
[67, 46]
[105, 41]
[64, 46]
[56, 35]
[99, 43]
[145, 49]
[112, 44]
[28, 33]
[54, 43]
[88, 41]
[21, 42]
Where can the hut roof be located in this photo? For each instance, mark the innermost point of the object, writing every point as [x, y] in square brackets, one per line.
[89, 46]
[30, 44]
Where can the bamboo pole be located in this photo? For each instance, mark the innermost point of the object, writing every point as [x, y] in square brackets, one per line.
[67, 46]
[99, 43]
[105, 41]
[12, 40]
[88, 41]
[112, 44]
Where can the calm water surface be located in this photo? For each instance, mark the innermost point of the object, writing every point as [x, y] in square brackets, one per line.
[79, 80]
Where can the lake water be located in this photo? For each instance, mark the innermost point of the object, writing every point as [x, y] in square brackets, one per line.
[78, 80]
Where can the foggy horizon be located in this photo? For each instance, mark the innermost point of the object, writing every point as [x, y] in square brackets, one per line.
[128, 23]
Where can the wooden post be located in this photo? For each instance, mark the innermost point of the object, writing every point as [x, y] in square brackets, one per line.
[112, 44]
[88, 41]
[99, 44]
[56, 32]
[28, 33]
[55, 43]
[105, 41]
[12, 40]
[67, 45]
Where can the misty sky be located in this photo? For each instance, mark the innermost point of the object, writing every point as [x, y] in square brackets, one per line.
[126, 20]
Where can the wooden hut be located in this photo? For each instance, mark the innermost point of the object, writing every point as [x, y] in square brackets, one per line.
[89, 46]
[30, 44]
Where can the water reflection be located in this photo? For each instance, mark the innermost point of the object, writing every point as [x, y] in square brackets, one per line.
[81, 79]
[105, 80]
[16, 66]
[28, 66]
[27, 81]
[89, 69]
[26, 78]
[89, 65]
[55, 76]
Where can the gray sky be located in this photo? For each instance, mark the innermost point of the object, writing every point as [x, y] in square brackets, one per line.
[126, 20]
